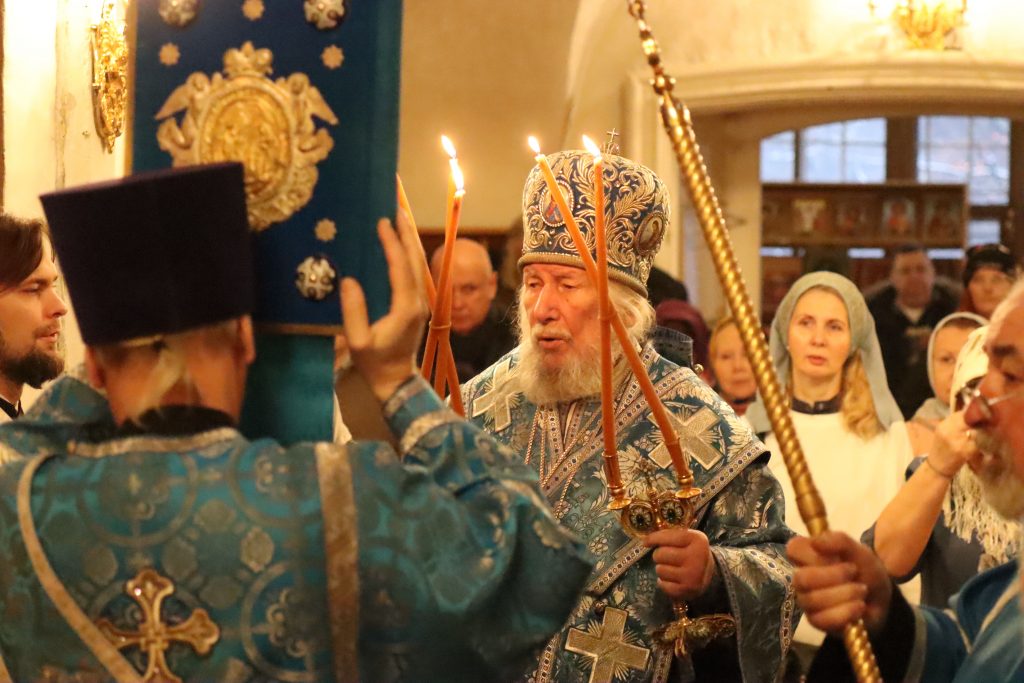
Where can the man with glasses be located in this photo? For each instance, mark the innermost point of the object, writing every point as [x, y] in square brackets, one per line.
[979, 638]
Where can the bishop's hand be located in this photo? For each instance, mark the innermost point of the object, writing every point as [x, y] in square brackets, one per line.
[385, 353]
[683, 562]
[839, 580]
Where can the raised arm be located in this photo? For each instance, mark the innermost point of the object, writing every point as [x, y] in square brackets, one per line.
[905, 525]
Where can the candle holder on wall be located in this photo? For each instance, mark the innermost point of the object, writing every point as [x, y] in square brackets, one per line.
[109, 74]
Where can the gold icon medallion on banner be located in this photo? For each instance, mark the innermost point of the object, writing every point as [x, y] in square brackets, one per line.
[267, 125]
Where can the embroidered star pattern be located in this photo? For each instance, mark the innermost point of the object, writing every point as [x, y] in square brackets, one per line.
[253, 9]
[332, 57]
[169, 54]
[326, 230]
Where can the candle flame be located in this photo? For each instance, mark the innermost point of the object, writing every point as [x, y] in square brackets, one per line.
[457, 178]
[592, 148]
[449, 148]
[534, 145]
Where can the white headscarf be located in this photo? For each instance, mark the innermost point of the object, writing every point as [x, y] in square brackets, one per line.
[936, 408]
[967, 514]
[862, 338]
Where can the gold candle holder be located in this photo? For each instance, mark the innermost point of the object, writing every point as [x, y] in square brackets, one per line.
[676, 119]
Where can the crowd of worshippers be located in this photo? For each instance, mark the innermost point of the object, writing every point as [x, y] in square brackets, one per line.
[423, 546]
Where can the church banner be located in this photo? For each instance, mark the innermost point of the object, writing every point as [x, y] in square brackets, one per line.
[305, 95]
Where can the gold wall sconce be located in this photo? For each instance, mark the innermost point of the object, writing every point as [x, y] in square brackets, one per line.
[109, 74]
[926, 24]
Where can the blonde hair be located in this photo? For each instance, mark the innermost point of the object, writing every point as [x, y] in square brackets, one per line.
[857, 406]
[165, 357]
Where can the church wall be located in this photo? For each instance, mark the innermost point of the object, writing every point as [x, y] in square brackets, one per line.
[488, 75]
[748, 69]
[50, 138]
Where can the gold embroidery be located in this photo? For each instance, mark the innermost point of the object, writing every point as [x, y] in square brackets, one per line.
[341, 546]
[92, 637]
[5, 675]
[332, 57]
[606, 645]
[169, 54]
[405, 393]
[154, 444]
[325, 230]
[245, 116]
[8, 454]
[253, 9]
[109, 75]
[423, 425]
[149, 590]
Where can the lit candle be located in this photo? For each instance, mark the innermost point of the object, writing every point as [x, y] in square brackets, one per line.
[438, 343]
[607, 406]
[683, 473]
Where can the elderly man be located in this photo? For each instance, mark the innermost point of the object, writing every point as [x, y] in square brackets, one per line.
[479, 336]
[979, 638]
[170, 544]
[30, 312]
[905, 314]
[542, 400]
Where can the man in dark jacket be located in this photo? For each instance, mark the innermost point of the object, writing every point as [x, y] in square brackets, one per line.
[905, 313]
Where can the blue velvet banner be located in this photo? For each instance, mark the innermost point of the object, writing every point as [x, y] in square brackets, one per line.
[310, 105]
[356, 179]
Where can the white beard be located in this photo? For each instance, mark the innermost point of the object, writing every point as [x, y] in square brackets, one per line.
[1000, 485]
[578, 377]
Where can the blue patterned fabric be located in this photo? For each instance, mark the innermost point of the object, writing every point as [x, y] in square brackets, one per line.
[636, 215]
[980, 637]
[741, 510]
[441, 549]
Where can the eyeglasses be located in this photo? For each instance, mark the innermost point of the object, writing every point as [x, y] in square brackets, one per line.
[970, 394]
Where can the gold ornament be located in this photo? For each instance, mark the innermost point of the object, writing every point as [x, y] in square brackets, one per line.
[608, 648]
[178, 13]
[266, 125]
[253, 9]
[332, 57]
[325, 14]
[154, 637]
[169, 54]
[326, 230]
[109, 75]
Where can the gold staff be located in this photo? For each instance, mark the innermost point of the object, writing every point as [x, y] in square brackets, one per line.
[676, 118]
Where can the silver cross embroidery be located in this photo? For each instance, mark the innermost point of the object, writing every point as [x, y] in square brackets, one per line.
[498, 401]
[695, 436]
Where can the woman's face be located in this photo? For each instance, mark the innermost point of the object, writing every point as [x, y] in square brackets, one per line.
[988, 287]
[729, 363]
[945, 349]
[819, 336]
